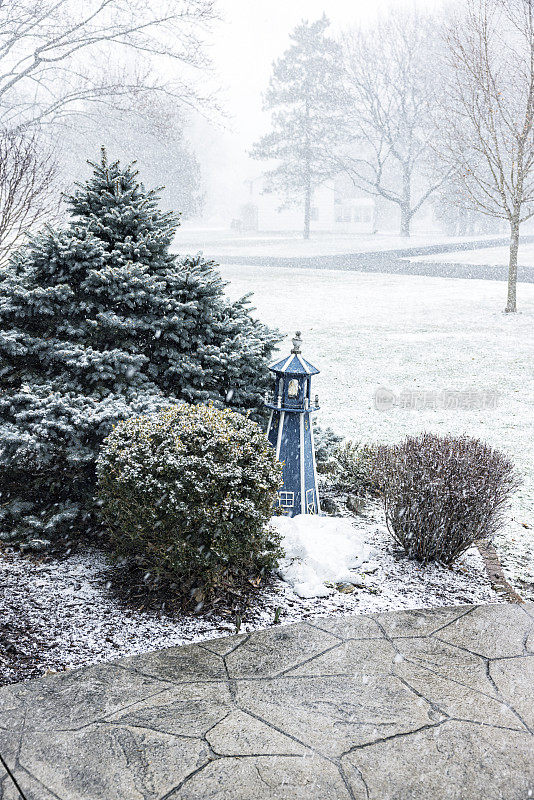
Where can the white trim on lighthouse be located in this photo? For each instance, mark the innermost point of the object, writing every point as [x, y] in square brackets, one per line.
[269, 424]
[288, 362]
[302, 498]
[279, 437]
[304, 365]
[312, 437]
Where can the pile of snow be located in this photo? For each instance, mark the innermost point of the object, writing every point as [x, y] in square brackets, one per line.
[320, 551]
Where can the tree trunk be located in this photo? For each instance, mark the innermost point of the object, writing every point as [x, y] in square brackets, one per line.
[307, 208]
[405, 206]
[511, 304]
[405, 221]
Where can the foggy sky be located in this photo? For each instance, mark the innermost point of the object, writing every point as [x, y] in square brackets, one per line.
[253, 33]
[243, 44]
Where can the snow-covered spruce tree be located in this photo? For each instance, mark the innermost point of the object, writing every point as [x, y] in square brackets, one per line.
[99, 322]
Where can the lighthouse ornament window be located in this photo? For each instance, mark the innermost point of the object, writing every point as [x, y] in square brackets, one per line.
[290, 431]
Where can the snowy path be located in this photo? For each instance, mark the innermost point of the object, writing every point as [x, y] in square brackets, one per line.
[433, 256]
[374, 707]
[497, 256]
[387, 263]
[291, 245]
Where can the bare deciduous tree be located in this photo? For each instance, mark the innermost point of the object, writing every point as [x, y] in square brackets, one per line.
[149, 130]
[28, 195]
[487, 126]
[56, 55]
[60, 57]
[391, 89]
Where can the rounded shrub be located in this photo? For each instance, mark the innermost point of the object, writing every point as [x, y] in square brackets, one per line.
[188, 492]
[442, 493]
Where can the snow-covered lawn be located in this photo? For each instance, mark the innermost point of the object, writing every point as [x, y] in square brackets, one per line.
[495, 256]
[64, 614]
[415, 335]
[228, 243]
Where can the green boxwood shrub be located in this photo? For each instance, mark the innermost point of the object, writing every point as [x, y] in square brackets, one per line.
[187, 492]
[443, 493]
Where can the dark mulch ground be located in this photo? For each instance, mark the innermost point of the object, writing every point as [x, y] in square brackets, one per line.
[58, 611]
[61, 612]
[23, 649]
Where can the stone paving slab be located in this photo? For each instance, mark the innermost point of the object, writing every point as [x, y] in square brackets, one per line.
[408, 705]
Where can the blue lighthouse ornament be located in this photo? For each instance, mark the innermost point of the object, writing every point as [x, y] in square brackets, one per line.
[290, 431]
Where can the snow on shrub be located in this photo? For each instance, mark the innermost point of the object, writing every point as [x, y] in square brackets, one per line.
[187, 493]
[326, 441]
[442, 493]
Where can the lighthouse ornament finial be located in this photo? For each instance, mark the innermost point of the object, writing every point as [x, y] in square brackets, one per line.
[290, 431]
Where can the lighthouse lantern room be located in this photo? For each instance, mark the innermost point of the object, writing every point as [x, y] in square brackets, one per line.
[290, 431]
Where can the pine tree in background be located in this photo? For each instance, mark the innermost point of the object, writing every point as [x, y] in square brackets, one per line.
[99, 322]
[306, 97]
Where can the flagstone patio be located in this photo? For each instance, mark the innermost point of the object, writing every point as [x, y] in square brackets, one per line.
[406, 705]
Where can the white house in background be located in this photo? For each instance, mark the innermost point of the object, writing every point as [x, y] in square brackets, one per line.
[265, 211]
[355, 215]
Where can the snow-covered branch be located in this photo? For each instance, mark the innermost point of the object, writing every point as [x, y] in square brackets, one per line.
[46, 50]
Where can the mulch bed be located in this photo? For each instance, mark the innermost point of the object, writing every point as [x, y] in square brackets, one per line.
[23, 651]
[52, 629]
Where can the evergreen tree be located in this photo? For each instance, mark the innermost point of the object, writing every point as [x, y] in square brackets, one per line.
[305, 95]
[99, 322]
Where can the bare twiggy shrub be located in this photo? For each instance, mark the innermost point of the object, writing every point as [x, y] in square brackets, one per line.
[442, 493]
[28, 191]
